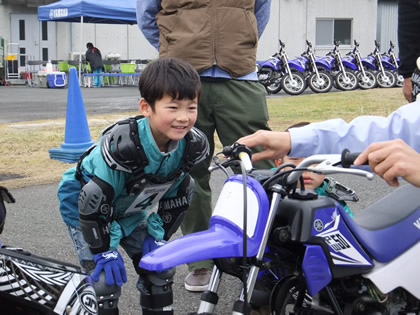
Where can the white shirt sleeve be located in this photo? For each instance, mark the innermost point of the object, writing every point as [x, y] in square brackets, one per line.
[332, 136]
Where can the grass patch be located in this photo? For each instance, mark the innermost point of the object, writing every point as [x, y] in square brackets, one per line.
[24, 157]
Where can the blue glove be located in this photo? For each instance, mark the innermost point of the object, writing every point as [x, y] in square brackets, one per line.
[151, 244]
[113, 265]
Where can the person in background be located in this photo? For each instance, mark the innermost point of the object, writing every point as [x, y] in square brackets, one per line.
[138, 163]
[220, 39]
[409, 46]
[94, 57]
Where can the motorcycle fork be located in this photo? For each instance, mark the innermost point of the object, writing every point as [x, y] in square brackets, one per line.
[315, 68]
[359, 61]
[380, 65]
[209, 298]
[394, 60]
[253, 271]
[343, 69]
[286, 64]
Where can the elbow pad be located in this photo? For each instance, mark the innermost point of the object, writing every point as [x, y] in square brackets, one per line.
[95, 214]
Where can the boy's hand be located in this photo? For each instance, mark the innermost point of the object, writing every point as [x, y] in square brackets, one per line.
[150, 244]
[113, 265]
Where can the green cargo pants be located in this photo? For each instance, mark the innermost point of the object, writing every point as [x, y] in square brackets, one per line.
[233, 109]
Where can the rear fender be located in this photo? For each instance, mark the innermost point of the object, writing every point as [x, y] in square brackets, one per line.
[348, 63]
[272, 63]
[323, 63]
[386, 62]
[296, 64]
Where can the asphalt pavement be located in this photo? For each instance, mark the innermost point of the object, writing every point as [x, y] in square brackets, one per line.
[34, 222]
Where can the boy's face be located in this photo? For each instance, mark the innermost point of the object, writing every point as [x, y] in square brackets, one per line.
[171, 119]
[311, 180]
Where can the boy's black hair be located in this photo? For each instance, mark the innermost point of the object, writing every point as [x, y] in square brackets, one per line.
[169, 76]
[89, 45]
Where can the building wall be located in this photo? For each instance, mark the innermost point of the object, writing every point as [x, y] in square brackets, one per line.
[292, 21]
[386, 21]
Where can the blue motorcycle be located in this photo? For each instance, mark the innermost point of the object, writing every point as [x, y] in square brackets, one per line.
[317, 71]
[384, 68]
[37, 285]
[343, 69]
[300, 253]
[365, 69]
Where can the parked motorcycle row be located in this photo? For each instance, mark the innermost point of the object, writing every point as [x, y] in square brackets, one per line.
[321, 73]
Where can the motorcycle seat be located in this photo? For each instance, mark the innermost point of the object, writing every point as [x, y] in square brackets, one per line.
[391, 225]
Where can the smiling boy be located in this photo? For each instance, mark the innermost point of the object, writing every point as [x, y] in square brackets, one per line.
[137, 164]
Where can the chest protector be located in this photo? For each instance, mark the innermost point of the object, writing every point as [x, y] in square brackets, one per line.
[122, 150]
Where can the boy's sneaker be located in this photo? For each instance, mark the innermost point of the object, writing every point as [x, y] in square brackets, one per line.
[197, 280]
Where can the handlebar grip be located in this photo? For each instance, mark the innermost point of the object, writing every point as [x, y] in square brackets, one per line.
[347, 158]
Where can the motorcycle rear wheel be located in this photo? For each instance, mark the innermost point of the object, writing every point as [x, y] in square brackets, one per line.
[269, 78]
[369, 82]
[295, 86]
[386, 80]
[346, 84]
[273, 88]
[323, 85]
[399, 79]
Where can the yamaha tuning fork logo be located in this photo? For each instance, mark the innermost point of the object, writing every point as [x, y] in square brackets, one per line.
[58, 13]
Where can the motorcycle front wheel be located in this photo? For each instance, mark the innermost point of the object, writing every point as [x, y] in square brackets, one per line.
[346, 83]
[295, 85]
[385, 79]
[290, 296]
[366, 82]
[321, 84]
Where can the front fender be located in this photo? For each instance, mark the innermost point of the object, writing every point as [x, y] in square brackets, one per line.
[224, 238]
[217, 242]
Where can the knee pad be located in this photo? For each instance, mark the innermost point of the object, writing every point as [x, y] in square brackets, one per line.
[95, 213]
[107, 296]
[156, 298]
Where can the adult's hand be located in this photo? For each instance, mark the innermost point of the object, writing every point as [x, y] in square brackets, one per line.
[392, 159]
[274, 144]
[408, 89]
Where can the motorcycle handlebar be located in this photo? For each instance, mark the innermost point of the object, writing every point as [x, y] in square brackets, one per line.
[327, 165]
[348, 158]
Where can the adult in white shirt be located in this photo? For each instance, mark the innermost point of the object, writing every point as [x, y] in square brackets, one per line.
[370, 134]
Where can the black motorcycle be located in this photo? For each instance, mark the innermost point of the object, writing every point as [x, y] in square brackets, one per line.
[34, 285]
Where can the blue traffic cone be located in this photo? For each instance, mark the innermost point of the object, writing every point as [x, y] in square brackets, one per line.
[77, 136]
